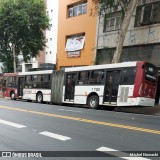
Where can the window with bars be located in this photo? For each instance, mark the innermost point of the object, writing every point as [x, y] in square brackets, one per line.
[112, 21]
[147, 14]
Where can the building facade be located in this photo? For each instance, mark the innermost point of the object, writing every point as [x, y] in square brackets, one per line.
[76, 34]
[51, 35]
[142, 41]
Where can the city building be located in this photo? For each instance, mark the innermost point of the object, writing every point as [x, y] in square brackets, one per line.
[76, 33]
[142, 41]
[51, 35]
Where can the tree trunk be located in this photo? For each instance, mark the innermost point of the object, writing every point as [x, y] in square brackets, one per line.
[123, 30]
[14, 58]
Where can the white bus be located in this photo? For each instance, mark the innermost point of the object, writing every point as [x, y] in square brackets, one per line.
[34, 85]
[37, 85]
[121, 84]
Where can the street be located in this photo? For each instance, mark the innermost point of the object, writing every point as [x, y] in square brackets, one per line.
[28, 126]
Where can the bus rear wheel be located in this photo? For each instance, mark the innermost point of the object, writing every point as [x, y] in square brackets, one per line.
[12, 95]
[93, 102]
[39, 98]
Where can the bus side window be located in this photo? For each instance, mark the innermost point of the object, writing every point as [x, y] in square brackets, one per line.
[45, 81]
[36, 81]
[97, 77]
[28, 81]
[83, 77]
[128, 76]
[12, 82]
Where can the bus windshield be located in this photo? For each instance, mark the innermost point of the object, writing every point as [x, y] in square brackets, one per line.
[150, 72]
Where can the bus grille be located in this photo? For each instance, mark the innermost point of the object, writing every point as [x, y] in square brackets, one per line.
[124, 94]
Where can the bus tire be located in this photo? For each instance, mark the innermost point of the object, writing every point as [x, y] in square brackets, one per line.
[93, 102]
[12, 95]
[39, 98]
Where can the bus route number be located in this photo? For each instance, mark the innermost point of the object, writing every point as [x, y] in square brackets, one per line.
[96, 89]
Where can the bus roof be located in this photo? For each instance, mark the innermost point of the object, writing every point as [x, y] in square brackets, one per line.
[35, 72]
[10, 74]
[102, 66]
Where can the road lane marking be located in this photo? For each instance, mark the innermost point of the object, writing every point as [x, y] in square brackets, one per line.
[119, 154]
[86, 120]
[12, 124]
[69, 110]
[5, 101]
[55, 136]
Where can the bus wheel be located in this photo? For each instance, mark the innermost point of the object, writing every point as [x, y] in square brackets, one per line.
[93, 102]
[39, 98]
[12, 95]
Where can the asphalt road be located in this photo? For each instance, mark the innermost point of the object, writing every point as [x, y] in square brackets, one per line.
[26, 126]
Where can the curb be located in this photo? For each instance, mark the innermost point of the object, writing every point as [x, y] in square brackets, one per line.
[141, 110]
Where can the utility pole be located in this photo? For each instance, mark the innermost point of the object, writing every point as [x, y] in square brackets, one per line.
[14, 58]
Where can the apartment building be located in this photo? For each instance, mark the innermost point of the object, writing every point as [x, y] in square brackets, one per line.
[76, 34]
[51, 35]
[142, 41]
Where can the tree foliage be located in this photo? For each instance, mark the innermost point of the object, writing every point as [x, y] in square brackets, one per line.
[22, 25]
[109, 6]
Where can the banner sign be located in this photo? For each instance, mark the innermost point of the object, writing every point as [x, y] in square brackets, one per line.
[75, 44]
[73, 54]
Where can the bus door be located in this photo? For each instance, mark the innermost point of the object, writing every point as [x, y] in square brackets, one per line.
[111, 87]
[70, 87]
[20, 86]
[4, 85]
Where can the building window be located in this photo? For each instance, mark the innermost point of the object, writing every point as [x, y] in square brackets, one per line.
[46, 52]
[112, 21]
[74, 44]
[50, 39]
[77, 9]
[147, 14]
[50, 52]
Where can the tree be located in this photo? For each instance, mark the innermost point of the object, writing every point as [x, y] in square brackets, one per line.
[22, 25]
[128, 7]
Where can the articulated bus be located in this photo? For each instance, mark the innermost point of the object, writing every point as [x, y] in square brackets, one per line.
[121, 84]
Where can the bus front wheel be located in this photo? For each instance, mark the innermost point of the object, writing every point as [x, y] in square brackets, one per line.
[12, 95]
[93, 102]
[39, 98]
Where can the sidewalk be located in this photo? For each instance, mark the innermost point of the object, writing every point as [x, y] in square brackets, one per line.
[141, 110]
